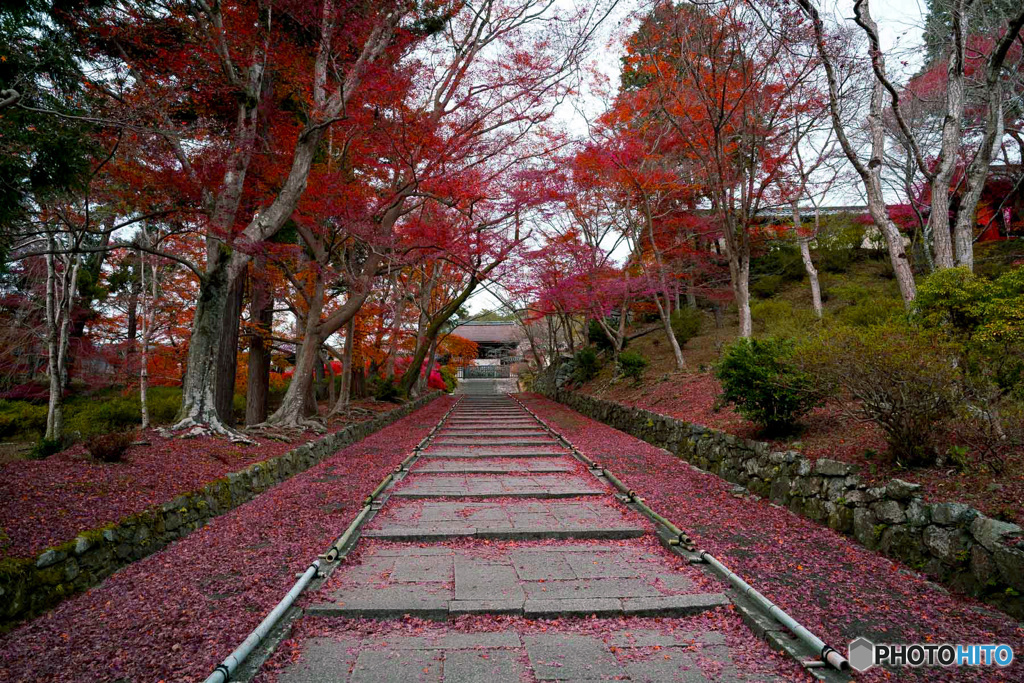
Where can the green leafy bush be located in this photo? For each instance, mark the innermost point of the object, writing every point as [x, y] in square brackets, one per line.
[87, 416]
[384, 389]
[766, 286]
[686, 324]
[586, 364]
[983, 321]
[870, 311]
[782, 260]
[633, 364]
[109, 447]
[21, 419]
[837, 245]
[760, 379]
[597, 337]
[44, 448]
[164, 403]
[779, 318]
[903, 379]
[451, 381]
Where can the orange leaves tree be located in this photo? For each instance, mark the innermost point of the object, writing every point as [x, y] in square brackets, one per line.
[721, 78]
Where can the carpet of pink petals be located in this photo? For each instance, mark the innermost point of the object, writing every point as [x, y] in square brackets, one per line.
[47, 502]
[832, 585]
[175, 615]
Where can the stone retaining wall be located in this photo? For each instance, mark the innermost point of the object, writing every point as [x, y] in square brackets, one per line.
[30, 586]
[950, 542]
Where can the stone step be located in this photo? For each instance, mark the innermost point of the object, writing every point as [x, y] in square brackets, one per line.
[503, 430]
[492, 465]
[472, 441]
[433, 520]
[482, 422]
[496, 486]
[659, 654]
[531, 434]
[492, 453]
[541, 581]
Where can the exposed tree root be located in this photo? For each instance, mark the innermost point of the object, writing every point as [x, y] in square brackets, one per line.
[288, 429]
[190, 428]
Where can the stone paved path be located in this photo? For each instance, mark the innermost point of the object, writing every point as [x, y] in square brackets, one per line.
[497, 518]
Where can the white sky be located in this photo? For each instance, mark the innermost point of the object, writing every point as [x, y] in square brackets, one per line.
[900, 25]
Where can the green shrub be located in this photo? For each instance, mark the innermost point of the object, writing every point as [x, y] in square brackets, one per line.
[766, 286]
[781, 260]
[164, 403]
[779, 318]
[451, 380]
[22, 420]
[633, 364]
[586, 364]
[597, 337]
[904, 380]
[686, 324]
[87, 416]
[837, 245]
[44, 448]
[384, 389]
[109, 447]
[870, 311]
[760, 379]
[238, 407]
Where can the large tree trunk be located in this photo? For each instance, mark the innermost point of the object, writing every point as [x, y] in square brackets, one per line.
[257, 388]
[952, 137]
[198, 412]
[227, 353]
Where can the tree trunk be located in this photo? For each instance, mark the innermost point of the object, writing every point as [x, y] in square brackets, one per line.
[133, 317]
[872, 177]
[295, 406]
[358, 381]
[316, 386]
[805, 254]
[261, 314]
[346, 368]
[666, 321]
[952, 137]
[977, 171]
[148, 319]
[198, 413]
[332, 389]
[227, 353]
[870, 173]
[55, 408]
[411, 373]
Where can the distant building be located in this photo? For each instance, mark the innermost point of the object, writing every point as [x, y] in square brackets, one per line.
[493, 339]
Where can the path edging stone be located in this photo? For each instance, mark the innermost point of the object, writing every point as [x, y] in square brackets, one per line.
[30, 586]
